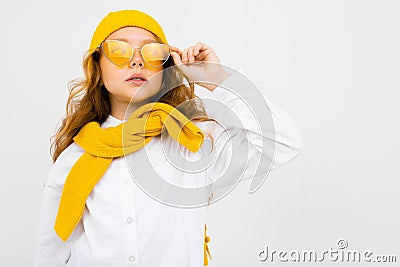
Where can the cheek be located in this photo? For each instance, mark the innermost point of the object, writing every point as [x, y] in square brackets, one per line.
[155, 81]
[158, 77]
[105, 71]
[109, 74]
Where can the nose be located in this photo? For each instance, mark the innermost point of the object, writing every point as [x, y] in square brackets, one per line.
[137, 59]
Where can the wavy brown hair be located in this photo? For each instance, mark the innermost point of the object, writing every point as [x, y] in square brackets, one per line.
[89, 100]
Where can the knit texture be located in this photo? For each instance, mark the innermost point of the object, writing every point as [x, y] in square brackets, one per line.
[125, 18]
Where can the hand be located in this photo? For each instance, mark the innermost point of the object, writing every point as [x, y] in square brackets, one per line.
[200, 52]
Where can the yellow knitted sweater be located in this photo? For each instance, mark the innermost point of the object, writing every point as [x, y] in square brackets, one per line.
[103, 145]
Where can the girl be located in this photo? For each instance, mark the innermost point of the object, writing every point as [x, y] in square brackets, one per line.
[93, 213]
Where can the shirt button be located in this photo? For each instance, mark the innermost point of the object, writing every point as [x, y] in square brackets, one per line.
[129, 220]
[131, 258]
[126, 182]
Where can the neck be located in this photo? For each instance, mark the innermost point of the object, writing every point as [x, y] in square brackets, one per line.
[122, 111]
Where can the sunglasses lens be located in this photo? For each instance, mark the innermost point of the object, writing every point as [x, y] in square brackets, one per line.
[117, 52]
[155, 54]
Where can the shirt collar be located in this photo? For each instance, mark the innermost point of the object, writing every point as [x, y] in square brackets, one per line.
[111, 121]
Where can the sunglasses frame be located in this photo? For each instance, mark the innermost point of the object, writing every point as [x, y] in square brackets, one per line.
[133, 52]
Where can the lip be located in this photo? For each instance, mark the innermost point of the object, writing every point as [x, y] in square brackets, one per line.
[134, 81]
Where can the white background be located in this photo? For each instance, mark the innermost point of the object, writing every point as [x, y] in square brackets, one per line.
[332, 65]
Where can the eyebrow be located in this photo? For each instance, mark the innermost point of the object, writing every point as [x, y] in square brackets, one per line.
[144, 41]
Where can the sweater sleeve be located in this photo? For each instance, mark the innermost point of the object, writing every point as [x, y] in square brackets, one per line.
[50, 250]
[252, 136]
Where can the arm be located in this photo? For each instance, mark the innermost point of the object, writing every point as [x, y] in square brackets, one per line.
[253, 137]
[50, 249]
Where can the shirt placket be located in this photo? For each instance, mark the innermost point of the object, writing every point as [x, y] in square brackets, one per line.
[129, 216]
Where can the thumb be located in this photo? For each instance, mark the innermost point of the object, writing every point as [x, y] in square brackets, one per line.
[178, 62]
[176, 57]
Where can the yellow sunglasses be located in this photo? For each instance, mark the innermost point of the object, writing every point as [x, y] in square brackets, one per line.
[120, 52]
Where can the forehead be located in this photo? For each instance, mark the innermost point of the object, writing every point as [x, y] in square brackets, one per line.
[132, 34]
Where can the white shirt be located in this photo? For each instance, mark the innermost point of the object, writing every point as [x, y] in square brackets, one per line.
[124, 226]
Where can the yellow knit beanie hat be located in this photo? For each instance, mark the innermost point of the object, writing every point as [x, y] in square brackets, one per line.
[124, 18]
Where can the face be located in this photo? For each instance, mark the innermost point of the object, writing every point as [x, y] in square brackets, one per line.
[123, 90]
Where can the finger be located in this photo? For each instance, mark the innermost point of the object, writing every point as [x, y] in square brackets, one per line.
[176, 57]
[203, 54]
[197, 48]
[190, 54]
[178, 62]
[175, 49]
[200, 47]
[185, 55]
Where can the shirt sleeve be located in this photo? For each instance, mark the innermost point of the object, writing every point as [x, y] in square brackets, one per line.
[50, 250]
[249, 124]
